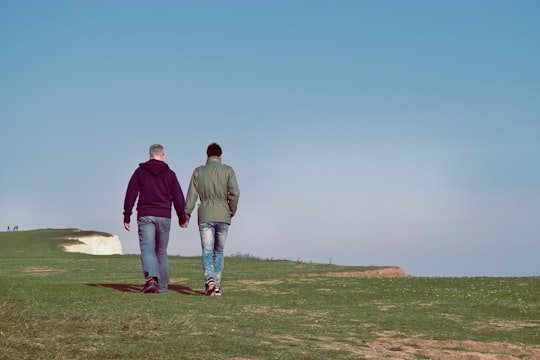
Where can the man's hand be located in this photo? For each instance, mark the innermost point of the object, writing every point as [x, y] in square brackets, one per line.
[185, 225]
[126, 226]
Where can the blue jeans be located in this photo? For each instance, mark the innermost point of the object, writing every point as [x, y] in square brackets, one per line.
[153, 240]
[213, 237]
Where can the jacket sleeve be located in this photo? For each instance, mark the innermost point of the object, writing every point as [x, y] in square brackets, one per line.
[178, 199]
[233, 192]
[192, 194]
[131, 196]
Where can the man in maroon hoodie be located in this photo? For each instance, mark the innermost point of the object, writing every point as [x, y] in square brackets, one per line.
[157, 188]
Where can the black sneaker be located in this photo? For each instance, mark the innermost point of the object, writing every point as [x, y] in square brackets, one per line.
[217, 292]
[151, 286]
[210, 286]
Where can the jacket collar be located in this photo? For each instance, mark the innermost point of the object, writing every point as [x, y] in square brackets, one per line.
[214, 160]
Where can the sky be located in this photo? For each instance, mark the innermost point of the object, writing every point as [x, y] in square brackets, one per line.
[368, 133]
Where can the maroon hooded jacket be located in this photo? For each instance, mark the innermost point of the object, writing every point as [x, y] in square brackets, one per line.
[158, 188]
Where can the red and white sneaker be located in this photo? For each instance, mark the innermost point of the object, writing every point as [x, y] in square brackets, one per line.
[151, 286]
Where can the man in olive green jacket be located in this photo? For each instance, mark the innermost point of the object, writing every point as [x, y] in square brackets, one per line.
[216, 186]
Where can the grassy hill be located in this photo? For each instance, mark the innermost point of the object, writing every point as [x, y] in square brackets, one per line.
[58, 305]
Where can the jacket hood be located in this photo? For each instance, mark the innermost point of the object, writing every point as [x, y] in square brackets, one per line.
[154, 167]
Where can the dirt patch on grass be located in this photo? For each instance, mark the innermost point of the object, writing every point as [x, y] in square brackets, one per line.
[41, 271]
[383, 306]
[267, 310]
[390, 345]
[474, 350]
[389, 271]
[509, 325]
[259, 286]
[180, 280]
[258, 282]
[414, 348]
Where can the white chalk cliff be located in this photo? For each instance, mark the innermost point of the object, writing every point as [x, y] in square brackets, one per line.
[96, 245]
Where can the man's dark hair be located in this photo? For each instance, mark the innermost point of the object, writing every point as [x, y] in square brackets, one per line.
[213, 150]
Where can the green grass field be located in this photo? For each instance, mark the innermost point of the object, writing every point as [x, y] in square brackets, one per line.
[59, 305]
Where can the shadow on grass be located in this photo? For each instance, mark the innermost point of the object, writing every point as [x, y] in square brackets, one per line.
[184, 290]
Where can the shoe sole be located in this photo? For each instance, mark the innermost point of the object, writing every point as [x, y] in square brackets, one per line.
[149, 289]
[210, 287]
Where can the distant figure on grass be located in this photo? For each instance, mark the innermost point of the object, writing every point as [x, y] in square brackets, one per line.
[157, 188]
[216, 187]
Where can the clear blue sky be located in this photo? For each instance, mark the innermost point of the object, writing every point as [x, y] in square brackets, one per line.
[387, 132]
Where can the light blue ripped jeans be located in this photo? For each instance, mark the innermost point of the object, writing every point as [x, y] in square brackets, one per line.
[153, 240]
[213, 237]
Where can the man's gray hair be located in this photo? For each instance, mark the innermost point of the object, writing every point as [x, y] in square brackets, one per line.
[156, 149]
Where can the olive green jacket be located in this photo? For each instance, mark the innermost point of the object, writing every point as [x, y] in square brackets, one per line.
[216, 187]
